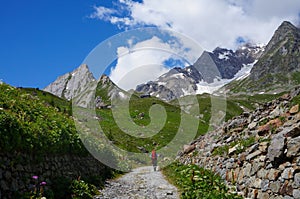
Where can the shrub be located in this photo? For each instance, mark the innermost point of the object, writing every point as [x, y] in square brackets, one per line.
[196, 182]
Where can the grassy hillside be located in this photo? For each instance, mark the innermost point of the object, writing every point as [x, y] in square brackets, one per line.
[29, 123]
[139, 114]
[61, 104]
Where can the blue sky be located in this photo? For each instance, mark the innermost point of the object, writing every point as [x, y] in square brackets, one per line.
[43, 39]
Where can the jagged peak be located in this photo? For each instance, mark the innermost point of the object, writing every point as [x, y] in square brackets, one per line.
[286, 25]
[82, 67]
[284, 29]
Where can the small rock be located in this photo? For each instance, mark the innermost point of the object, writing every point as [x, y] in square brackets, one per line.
[288, 173]
[257, 183]
[247, 170]
[263, 146]
[297, 160]
[293, 147]
[294, 109]
[264, 185]
[252, 125]
[274, 186]
[262, 195]
[296, 193]
[253, 155]
[276, 112]
[233, 149]
[262, 173]
[286, 189]
[293, 131]
[297, 179]
[273, 174]
[297, 117]
[275, 149]
[188, 148]
[255, 167]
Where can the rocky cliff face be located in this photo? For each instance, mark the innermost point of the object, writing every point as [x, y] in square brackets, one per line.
[221, 64]
[85, 90]
[282, 53]
[257, 153]
[278, 68]
[69, 84]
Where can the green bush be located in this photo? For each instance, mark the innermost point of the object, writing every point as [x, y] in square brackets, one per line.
[195, 182]
[82, 190]
[28, 124]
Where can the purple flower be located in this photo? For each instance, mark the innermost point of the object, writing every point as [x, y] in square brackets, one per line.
[35, 177]
[43, 183]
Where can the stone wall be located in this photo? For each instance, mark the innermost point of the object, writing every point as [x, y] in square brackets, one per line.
[257, 153]
[16, 170]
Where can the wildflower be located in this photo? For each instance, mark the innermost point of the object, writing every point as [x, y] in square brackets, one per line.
[43, 183]
[35, 177]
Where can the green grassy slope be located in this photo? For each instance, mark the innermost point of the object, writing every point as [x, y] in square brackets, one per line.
[30, 124]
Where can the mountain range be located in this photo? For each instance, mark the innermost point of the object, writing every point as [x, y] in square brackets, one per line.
[278, 67]
[249, 69]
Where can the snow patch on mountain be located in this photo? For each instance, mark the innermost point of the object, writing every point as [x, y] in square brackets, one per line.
[204, 87]
[224, 55]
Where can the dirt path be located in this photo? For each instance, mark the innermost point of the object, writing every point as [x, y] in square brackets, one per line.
[141, 183]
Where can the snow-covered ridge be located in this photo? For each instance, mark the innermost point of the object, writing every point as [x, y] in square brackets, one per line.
[209, 73]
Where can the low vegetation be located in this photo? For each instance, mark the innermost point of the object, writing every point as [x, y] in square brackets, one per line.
[28, 124]
[196, 182]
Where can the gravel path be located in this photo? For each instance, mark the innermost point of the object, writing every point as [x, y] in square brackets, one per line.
[141, 183]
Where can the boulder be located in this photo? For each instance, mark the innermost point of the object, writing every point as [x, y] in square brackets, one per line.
[276, 147]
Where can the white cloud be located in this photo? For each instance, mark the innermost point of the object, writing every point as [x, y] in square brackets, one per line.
[103, 13]
[143, 61]
[212, 23]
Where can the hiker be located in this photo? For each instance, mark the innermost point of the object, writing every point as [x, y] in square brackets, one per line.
[154, 159]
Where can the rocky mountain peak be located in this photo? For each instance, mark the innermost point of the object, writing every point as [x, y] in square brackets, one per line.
[281, 55]
[215, 67]
[286, 26]
[71, 83]
[284, 31]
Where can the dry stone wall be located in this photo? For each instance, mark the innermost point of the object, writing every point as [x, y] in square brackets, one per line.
[257, 153]
[16, 170]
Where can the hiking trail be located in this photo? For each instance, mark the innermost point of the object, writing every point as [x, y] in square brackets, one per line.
[140, 183]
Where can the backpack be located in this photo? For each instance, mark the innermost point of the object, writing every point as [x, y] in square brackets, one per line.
[153, 155]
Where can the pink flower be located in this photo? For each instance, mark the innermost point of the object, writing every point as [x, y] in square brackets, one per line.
[35, 177]
[43, 183]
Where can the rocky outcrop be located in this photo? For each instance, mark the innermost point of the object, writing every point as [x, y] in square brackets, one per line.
[257, 153]
[70, 84]
[176, 83]
[278, 67]
[281, 54]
